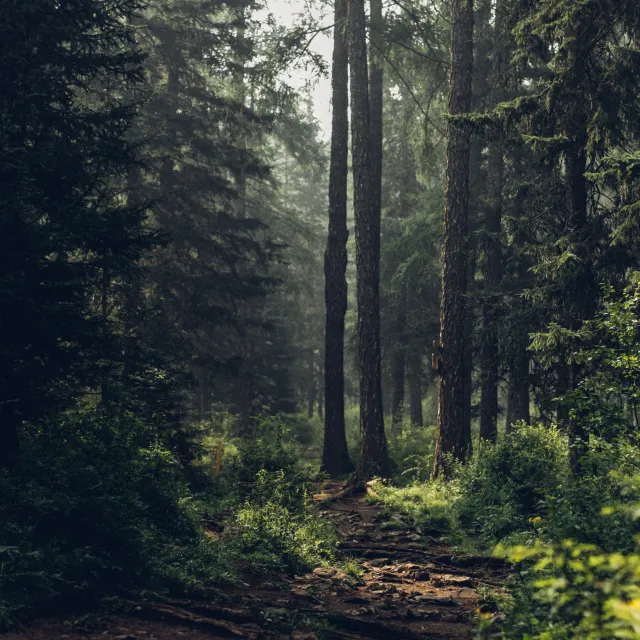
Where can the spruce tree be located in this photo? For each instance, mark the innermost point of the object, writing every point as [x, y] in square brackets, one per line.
[66, 236]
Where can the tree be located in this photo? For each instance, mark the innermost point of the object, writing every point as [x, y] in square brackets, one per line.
[452, 437]
[580, 62]
[492, 271]
[335, 456]
[374, 455]
[66, 235]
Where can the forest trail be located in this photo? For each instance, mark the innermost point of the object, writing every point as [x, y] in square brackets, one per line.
[413, 586]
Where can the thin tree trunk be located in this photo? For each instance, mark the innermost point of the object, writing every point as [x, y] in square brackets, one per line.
[453, 438]
[335, 454]
[311, 386]
[414, 379]
[375, 102]
[493, 253]
[133, 291]
[374, 459]
[204, 392]
[468, 362]
[241, 98]
[106, 398]
[398, 366]
[401, 334]
[518, 400]
[243, 381]
[321, 402]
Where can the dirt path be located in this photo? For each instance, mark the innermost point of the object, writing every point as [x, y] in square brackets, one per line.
[412, 587]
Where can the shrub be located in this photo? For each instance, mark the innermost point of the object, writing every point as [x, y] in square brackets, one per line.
[93, 509]
[575, 590]
[274, 519]
[266, 449]
[507, 485]
[429, 504]
[278, 529]
[576, 511]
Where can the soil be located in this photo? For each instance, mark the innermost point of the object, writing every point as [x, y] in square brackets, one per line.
[413, 586]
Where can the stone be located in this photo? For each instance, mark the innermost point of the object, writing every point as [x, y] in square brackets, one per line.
[325, 572]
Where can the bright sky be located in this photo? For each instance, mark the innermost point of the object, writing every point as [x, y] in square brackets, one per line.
[288, 12]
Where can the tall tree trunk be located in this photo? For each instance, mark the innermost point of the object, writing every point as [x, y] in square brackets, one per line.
[375, 101]
[490, 370]
[241, 98]
[401, 305]
[311, 386]
[243, 391]
[374, 459]
[414, 379]
[518, 400]
[133, 290]
[398, 364]
[468, 362]
[204, 392]
[335, 455]
[453, 438]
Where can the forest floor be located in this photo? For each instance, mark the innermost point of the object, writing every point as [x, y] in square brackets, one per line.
[410, 586]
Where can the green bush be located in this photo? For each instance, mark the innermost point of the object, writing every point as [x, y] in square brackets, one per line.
[275, 520]
[576, 511]
[278, 528]
[94, 508]
[429, 505]
[266, 449]
[575, 590]
[506, 487]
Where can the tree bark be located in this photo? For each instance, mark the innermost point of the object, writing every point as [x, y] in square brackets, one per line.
[518, 400]
[398, 366]
[414, 379]
[204, 392]
[312, 390]
[453, 438]
[374, 459]
[468, 362]
[243, 391]
[493, 252]
[375, 100]
[335, 455]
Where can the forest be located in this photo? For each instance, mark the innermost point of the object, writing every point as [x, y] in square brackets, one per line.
[270, 370]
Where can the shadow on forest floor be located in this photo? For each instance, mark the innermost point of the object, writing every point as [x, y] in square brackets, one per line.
[400, 585]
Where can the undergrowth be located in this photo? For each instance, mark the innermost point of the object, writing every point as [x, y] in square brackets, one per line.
[573, 536]
[99, 507]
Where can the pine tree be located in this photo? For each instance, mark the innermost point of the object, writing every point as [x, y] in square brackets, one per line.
[492, 271]
[66, 236]
[335, 456]
[453, 438]
[578, 66]
[374, 456]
